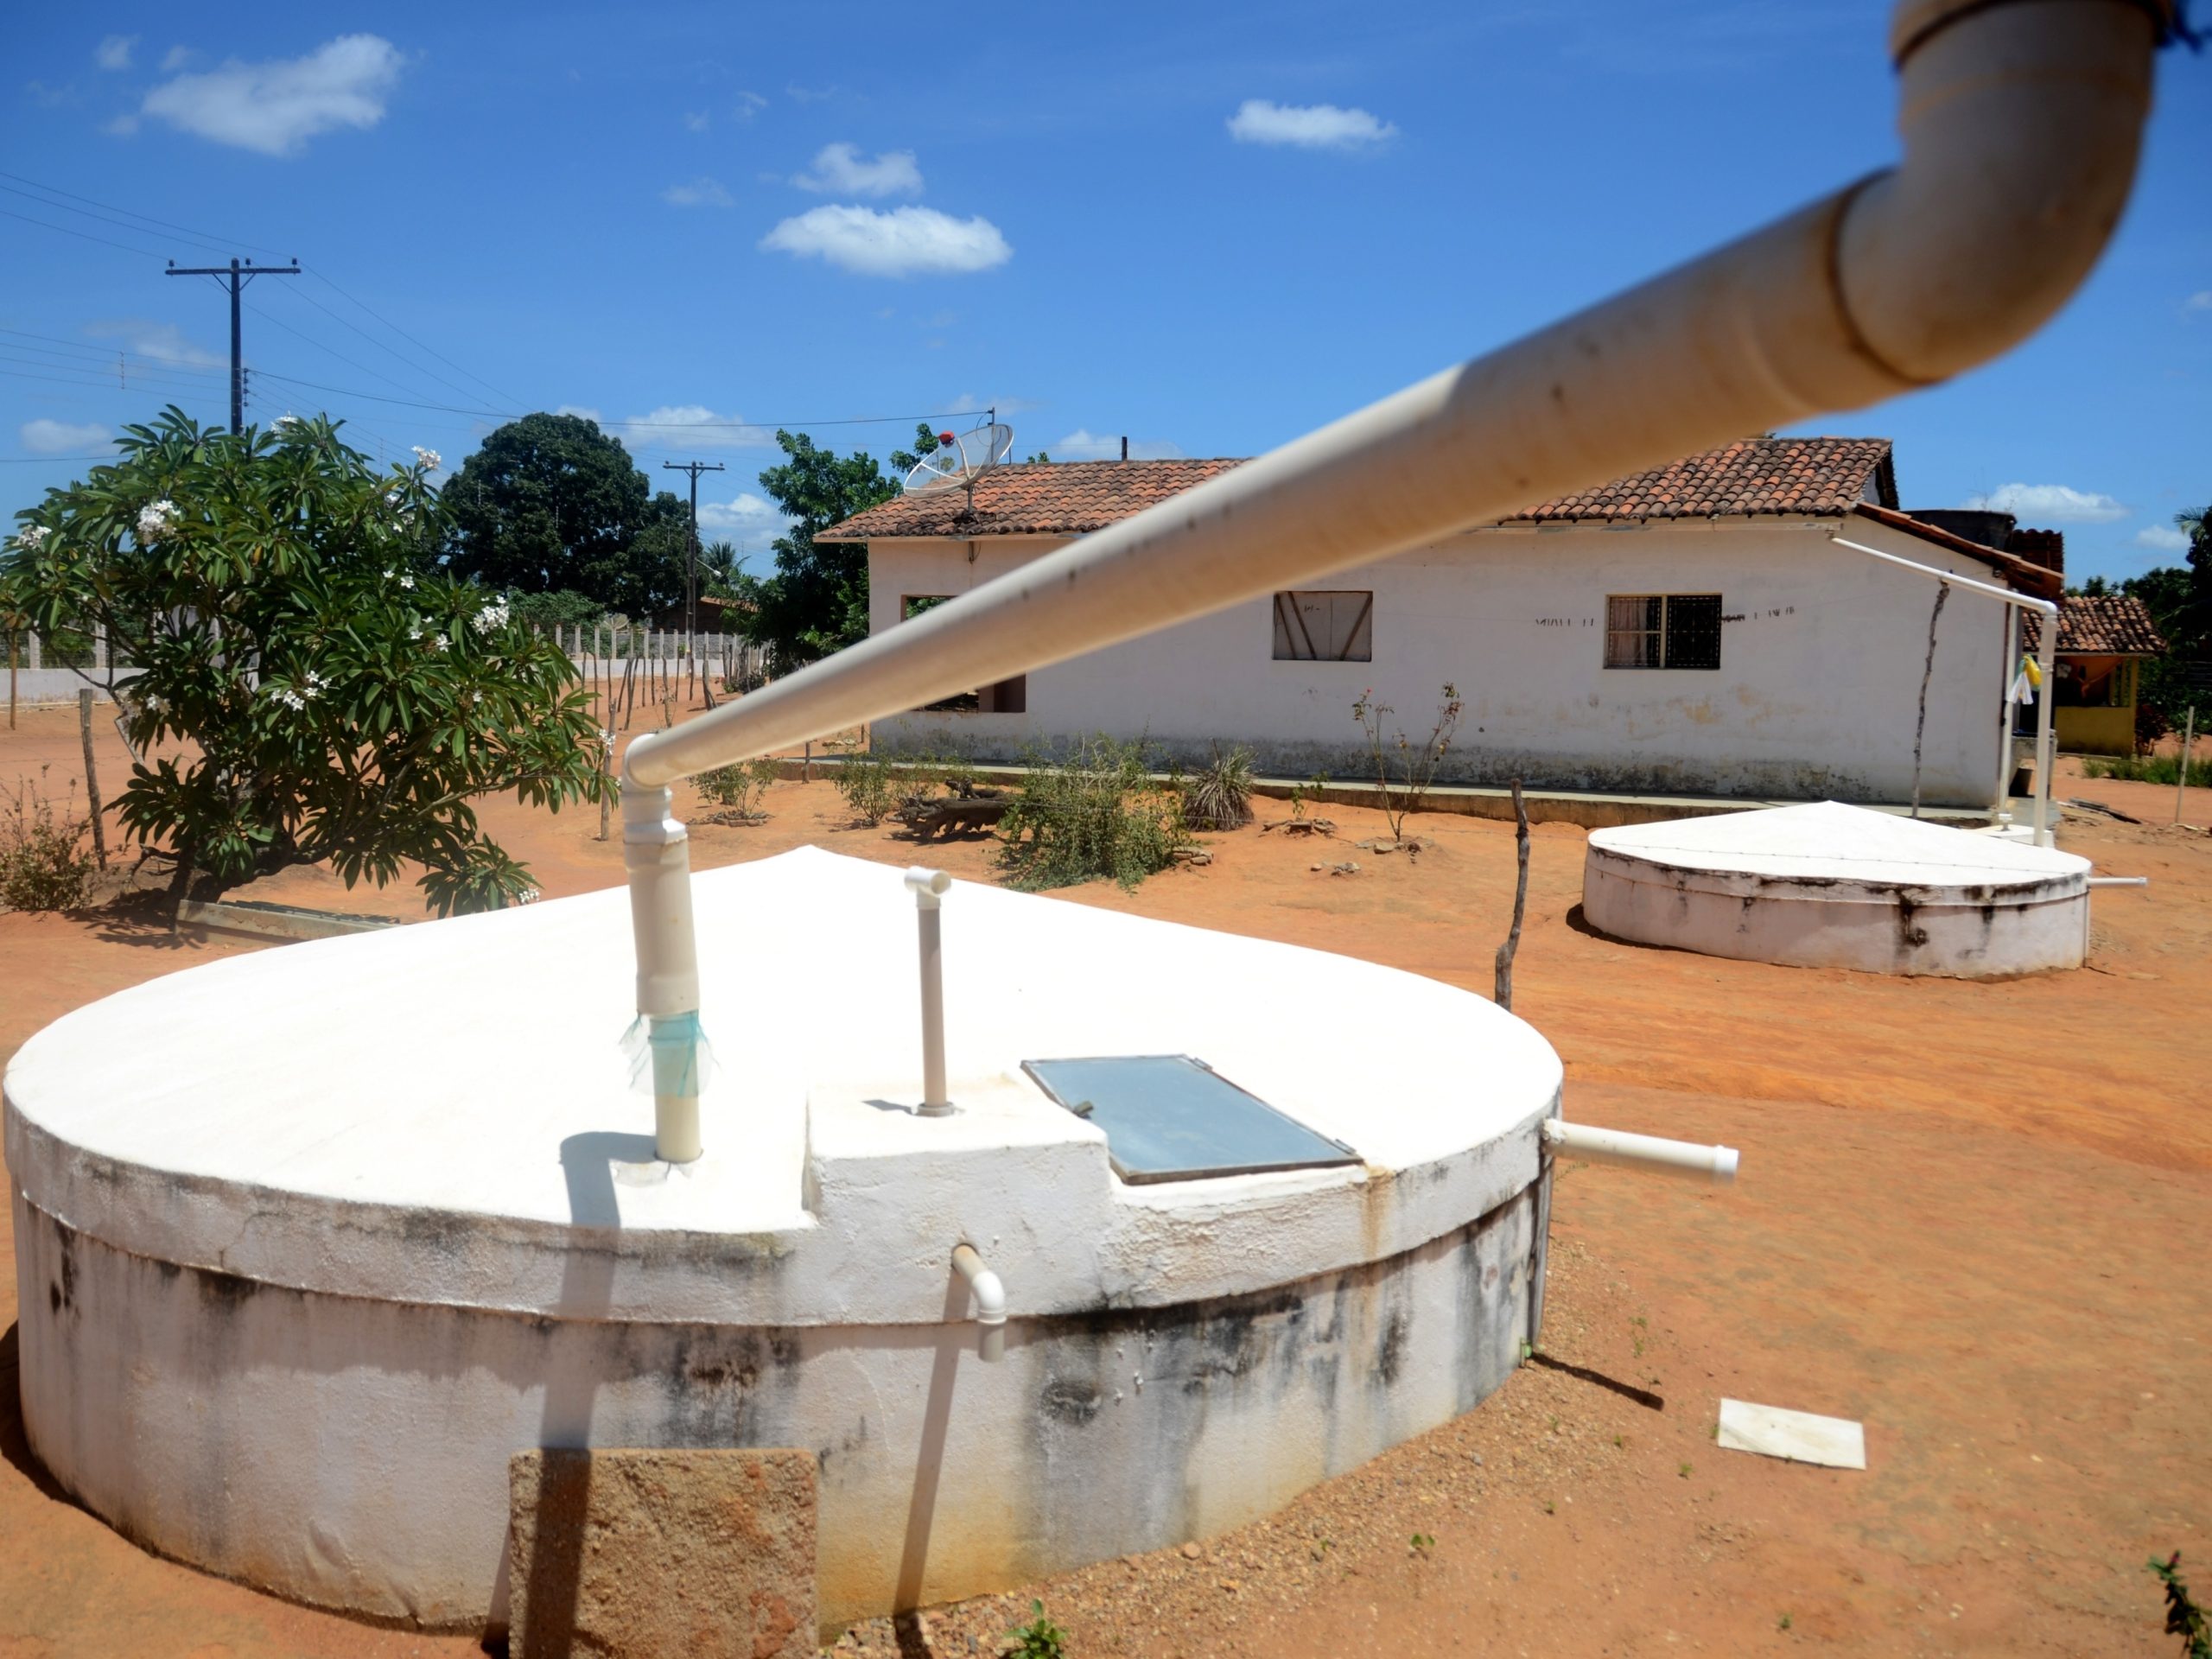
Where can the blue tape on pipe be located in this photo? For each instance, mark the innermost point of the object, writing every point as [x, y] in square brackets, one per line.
[668, 1055]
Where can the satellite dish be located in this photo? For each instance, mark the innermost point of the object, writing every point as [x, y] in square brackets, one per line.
[961, 458]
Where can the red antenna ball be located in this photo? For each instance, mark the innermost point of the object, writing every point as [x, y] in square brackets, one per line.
[944, 437]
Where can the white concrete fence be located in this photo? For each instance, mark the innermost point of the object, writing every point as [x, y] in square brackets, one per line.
[629, 664]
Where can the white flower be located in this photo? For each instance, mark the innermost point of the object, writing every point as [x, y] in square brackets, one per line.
[317, 681]
[439, 642]
[287, 696]
[283, 421]
[493, 615]
[407, 582]
[155, 520]
[154, 703]
[392, 498]
[527, 896]
[414, 630]
[430, 460]
[31, 537]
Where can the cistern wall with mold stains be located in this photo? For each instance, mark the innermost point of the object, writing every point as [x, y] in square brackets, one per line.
[1830, 886]
[310, 1241]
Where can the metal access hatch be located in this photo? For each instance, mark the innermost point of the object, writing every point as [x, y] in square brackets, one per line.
[1168, 1117]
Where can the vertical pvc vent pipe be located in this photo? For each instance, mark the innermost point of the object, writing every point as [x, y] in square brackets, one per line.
[928, 887]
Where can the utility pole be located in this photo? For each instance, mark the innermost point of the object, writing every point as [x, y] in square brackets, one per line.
[691, 562]
[235, 276]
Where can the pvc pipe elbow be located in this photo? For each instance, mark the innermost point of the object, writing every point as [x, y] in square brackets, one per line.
[983, 1284]
[2021, 124]
[927, 886]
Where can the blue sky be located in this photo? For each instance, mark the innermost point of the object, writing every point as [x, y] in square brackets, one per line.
[1209, 228]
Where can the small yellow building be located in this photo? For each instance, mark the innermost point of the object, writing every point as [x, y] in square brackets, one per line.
[2102, 640]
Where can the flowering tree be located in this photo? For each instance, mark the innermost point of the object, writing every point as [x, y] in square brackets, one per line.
[303, 688]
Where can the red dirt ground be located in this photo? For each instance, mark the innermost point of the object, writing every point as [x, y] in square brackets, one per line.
[1973, 1215]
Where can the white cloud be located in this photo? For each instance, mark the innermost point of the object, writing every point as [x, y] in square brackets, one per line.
[1083, 444]
[164, 342]
[175, 59]
[44, 437]
[748, 105]
[700, 193]
[114, 52]
[2161, 538]
[689, 426]
[746, 513]
[276, 107]
[696, 120]
[579, 411]
[2200, 301]
[900, 243]
[2054, 502]
[1307, 126]
[840, 169]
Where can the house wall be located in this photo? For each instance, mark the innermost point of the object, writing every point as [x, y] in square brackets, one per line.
[1817, 696]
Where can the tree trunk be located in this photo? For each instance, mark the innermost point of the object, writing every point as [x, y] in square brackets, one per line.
[1505, 952]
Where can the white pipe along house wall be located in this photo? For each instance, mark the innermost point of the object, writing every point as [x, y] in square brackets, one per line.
[2021, 122]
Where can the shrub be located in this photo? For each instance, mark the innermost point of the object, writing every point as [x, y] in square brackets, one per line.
[738, 788]
[866, 783]
[44, 862]
[1403, 768]
[306, 686]
[2147, 769]
[1095, 813]
[1220, 796]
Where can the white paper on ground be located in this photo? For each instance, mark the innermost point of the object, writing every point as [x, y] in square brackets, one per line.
[1798, 1436]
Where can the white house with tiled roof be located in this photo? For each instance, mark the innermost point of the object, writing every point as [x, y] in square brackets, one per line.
[1692, 630]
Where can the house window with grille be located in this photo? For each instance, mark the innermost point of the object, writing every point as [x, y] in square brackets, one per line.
[1324, 627]
[1663, 630]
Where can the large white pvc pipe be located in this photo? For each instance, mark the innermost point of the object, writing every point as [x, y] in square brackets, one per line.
[657, 852]
[928, 887]
[2046, 658]
[1650, 1152]
[990, 1299]
[2021, 121]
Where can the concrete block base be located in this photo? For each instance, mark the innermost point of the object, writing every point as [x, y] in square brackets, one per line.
[688, 1553]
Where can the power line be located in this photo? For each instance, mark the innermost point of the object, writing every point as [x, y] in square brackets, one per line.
[269, 316]
[404, 334]
[114, 363]
[95, 383]
[208, 237]
[381, 346]
[85, 235]
[106, 218]
[235, 278]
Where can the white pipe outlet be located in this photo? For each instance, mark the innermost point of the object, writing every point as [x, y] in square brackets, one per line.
[656, 850]
[1650, 1152]
[2046, 665]
[990, 1299]
[2021, 120]
[2120, 880]
[928, 887]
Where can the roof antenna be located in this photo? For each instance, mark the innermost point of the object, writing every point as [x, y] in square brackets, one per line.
[960, 459]
[1125, 446]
